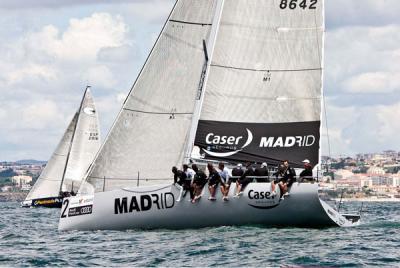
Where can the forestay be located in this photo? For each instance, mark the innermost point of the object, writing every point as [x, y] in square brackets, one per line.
[151, 131]
[49, 181]
[263, 94]
[85, 145]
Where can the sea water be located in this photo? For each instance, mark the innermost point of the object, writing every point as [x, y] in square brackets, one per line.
[29, 237]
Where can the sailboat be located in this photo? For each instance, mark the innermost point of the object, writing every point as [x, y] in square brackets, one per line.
[228, 81]
[70, 161]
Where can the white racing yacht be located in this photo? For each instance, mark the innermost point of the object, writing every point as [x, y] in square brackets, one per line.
[234, 81]
[66, 168]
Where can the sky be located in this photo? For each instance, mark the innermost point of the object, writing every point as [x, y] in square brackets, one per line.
[50, 50]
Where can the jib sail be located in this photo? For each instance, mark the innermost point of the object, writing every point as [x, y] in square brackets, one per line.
[49, 181]
[151, 131]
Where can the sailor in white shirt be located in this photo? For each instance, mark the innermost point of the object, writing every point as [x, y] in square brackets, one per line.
[225, 175]
[187, 186]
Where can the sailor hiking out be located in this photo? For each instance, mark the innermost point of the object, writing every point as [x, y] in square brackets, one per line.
[262, 173]
[213, 180]
[245, 179]
[286, 176]
[187, 186]
[225, 175]
[237, 172]
[307, 173]
[199, 180]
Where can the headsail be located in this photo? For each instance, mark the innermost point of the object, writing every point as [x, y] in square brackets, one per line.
[49, 181]
[263, 96]
[85, 144]
[151, 131]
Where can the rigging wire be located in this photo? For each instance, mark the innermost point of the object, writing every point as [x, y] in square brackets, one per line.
[326, 126]
[322, 91]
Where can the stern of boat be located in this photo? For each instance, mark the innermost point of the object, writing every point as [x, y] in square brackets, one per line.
[342, 220]
[80, 205]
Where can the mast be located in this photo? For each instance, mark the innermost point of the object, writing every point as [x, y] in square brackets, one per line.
[208, 53]
[72, 139]
[323, 103]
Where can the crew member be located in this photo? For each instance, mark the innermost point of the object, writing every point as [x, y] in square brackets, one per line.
[199, 180]
[288, 177]
[179, 176]
[307, 175]
[237, 172]
[187, 185]
[262, 172]
[245, 179]
[225, 180]
[213, 180]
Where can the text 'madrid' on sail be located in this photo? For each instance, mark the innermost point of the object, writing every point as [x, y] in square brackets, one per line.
[263, 95]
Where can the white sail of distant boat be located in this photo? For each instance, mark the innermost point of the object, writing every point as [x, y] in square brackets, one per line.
[234, 81]
[71, 159]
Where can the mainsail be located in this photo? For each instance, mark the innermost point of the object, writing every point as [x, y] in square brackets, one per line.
[85, 145]
[263, 96]
[151, 131]
[73, 155]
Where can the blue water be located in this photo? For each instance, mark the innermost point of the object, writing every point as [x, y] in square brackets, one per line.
[29, 237]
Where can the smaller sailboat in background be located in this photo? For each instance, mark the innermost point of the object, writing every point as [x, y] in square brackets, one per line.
[64, 171]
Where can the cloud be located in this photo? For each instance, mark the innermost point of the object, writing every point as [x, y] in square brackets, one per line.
[363, 70]
[119, 54]
[341, 13]
[19, 4]
[41, 115]
[389, 128]
[43, 74]
[49, 56]
[361, 129]
[83, 39]
[100, 74]
[153, 11]
[31, 71]
[376, 82]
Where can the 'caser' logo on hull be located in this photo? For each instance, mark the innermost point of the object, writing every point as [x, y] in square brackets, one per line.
[213, 139]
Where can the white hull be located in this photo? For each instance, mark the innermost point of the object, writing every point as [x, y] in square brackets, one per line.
[156, 207]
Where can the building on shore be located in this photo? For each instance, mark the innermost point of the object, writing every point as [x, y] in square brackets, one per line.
[21, 180]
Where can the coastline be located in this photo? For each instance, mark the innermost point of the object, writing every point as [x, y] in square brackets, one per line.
[12, 196]
[393, 200]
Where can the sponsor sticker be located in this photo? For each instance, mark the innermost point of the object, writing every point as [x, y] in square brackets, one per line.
[82, 210]
[89, 110]
[259, 142]
[262, 199]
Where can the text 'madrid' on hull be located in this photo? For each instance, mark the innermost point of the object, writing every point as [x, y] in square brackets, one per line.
[241, 80]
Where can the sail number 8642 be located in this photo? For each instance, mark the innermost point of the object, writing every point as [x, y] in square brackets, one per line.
[293, 4]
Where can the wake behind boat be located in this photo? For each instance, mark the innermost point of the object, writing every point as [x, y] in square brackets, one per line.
[227, 80]
[65, 170]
